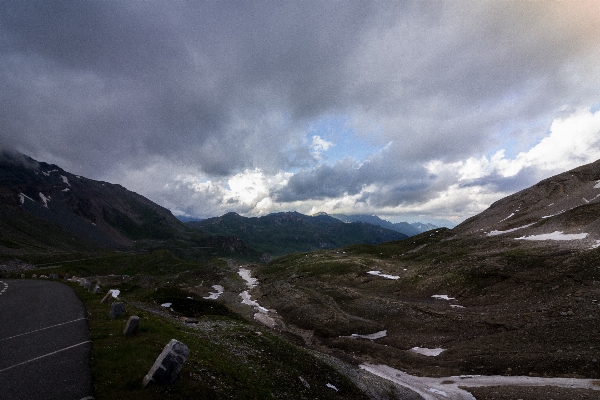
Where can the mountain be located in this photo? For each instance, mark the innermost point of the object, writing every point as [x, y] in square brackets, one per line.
[511, 291]
[290, 232]
[564, 208]
[45, 208]
[100, 212]
[402, 227]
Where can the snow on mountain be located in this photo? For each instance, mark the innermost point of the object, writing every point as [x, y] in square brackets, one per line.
[563, 208]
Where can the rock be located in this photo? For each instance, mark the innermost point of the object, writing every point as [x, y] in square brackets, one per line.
[22, 275]
[67, 277]
[33, 276]
[190, 320]
[87, 285]
[97, 289]
[43, 276]
[132, 325]
[168, 364]
[116, 310]
[107, 297]
[303, 382]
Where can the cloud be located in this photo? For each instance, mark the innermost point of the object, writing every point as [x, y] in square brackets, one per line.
[177, 100]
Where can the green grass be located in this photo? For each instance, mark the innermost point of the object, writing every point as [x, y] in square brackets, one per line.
[229, 358]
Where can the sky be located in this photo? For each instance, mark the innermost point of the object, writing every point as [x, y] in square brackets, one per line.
[410, 110]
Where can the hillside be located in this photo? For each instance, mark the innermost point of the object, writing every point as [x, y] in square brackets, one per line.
[291, 232]
[495, 300]
[565, 207]
[46, 209]
[98, 211]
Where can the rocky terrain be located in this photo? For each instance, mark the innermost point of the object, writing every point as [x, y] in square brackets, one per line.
[494, 300]
[496, 308]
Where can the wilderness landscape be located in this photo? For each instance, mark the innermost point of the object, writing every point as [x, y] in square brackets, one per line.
[321, 199]
[512, 291]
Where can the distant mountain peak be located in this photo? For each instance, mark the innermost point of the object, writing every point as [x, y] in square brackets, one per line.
[402, 227]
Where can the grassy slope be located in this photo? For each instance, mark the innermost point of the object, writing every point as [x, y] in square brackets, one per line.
[230, 358]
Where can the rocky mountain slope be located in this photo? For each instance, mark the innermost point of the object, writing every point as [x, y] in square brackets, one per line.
[100, 212]
[564, 209]
[402, 227]
[290, 232]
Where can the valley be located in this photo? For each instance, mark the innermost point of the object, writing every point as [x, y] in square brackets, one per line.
[505, 305]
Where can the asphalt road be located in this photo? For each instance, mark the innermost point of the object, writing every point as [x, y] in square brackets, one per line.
[44, 342]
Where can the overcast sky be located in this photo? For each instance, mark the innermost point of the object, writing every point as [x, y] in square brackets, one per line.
[409, 110]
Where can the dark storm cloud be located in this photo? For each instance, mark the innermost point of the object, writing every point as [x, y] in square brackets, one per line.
[173, 79]
[110, 88]
[396, 182]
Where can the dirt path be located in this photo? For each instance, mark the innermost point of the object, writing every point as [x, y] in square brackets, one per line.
[449, 387]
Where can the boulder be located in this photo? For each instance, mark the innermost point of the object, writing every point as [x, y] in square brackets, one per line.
[97, 289]
[106, 297]
[87, 285]
[132, 325]
[116, 310]
[168, 364]
[22, 275]
[67, 277]
[33, 276]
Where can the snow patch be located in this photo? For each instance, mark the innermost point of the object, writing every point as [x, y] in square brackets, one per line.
[597, 185]
[456, 306]
[596, 245]
[166, 305]
[554, 215]
[215, 295]
[330, 386]
[378, 273]
[372, 336]
[495, 233]
[65, 180]
[453, 390]
[44, 199]
[443, 297]
[247, 299]
[66, 189]
[440, 392]
[23, 196]
[557, 235]
[115, 293]
[427, 352]
[512, 214]
[246, 275]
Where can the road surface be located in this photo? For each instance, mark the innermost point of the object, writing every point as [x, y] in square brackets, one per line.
[44, 342]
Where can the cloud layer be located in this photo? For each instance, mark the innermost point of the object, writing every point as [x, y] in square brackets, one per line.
[220, 106]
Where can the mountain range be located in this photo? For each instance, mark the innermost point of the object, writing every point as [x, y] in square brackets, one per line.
[408, 229]
[58, 206]
[511, 291]
[292, 232]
